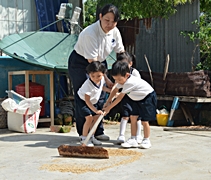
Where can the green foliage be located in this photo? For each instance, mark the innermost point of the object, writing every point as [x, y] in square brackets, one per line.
[90, 8]
[205, 5]
[134, 8]
[202, 39]
[145, 8]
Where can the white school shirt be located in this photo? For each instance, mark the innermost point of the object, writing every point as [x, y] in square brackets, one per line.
[91, 89]
[135, 72]
[136, 88]
[93, 42]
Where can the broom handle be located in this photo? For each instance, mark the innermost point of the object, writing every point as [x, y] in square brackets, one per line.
[93, 129]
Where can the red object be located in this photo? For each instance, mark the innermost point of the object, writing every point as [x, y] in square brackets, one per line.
[35, 90]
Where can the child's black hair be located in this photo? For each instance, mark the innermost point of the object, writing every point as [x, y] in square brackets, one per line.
[113, 9]
[95, 66]
[128, 57]
[124, 55]
[120, 68]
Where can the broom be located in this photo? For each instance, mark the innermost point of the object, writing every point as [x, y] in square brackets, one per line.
[83, 150]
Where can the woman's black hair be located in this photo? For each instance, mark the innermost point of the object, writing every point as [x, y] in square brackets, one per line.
[120, 68]
[113, 9]
[95, 66]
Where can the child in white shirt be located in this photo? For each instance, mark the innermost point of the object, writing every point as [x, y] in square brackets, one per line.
[89, 94]
[142, 99]
[125, 106]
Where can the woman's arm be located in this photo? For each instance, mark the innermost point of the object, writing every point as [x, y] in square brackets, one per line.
[109, 83]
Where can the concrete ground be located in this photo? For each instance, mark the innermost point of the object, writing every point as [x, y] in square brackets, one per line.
[174, 155]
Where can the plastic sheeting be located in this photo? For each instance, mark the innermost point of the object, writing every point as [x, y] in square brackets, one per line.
[47, 11]
[50, 50]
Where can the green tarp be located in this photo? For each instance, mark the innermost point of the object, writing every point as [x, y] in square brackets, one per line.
[46, 49]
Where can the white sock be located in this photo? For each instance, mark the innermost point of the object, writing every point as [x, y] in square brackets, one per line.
[83, 137]
[138, 133]
[133, 137]
[123, 125]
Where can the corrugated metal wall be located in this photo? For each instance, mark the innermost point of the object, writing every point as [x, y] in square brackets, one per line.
[17, 16]
[164, 38]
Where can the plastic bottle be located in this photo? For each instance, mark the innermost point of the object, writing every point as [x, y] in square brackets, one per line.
[76, 15]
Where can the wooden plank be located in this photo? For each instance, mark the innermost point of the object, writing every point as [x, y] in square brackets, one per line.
[44, 120]
[178, 115]
[187, 128]
[187, 113]
[185, 98]
[33, 78]
[9, 82]
[166, 67]
[29, 72]
[150, 71]
[52, 98]
[26, 85]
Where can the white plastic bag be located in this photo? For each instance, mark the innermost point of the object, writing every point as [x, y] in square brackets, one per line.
[27, 106]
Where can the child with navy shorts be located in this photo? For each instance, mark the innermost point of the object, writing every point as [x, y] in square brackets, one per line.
[141, 97]
[125, 106]
[89, 94]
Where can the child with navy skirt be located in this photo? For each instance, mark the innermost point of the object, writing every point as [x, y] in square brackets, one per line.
[89, 94]
[141, 97]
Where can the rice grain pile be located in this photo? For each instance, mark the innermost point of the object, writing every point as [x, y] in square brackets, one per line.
[117, 157]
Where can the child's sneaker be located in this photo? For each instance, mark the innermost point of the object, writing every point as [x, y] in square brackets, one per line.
[139, 139]
[95, 141]
[130, 143]
[145, 144]
[121, 139]
[89, 143]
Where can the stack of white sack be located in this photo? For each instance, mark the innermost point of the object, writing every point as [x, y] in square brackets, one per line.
[24, 116]
[26, 106]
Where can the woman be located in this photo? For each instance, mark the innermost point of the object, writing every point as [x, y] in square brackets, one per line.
[94, 43]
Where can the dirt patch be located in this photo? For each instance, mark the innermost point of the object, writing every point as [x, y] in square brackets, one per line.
[188, 128]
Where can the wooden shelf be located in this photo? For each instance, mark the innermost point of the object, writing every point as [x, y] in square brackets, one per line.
[33, 73]
[185, 98]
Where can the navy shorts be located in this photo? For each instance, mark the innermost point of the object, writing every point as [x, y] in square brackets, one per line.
[85, 110]
[129, 107]
[147, 107]
[126, 106]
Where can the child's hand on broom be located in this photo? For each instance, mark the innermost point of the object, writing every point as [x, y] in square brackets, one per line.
[99, 112]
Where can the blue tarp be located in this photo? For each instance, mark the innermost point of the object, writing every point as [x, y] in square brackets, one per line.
[47, 11]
